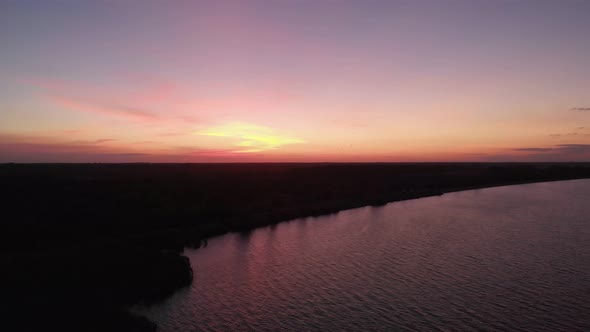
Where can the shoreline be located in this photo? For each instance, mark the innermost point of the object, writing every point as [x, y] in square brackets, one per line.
[517, 183]
[377, 204]
[150, 213]
[140, 309]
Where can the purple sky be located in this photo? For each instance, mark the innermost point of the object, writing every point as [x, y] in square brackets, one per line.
[201, 81]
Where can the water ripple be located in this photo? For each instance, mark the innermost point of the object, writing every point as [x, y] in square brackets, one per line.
[501, 259]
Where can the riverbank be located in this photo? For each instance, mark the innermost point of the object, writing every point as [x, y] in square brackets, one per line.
[382, 268]
[96, 238]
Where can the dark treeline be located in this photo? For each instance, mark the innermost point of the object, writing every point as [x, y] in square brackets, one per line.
[81, 242]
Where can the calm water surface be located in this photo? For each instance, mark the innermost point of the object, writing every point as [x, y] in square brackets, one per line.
[500, 259]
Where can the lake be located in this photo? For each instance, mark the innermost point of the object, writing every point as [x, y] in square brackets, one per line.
[511, 258]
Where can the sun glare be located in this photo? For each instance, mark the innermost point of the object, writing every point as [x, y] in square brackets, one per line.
[252, 138]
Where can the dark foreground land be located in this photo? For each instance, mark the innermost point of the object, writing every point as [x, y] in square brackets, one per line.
[82, 242]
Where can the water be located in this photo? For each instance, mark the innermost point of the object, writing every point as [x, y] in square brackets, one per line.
[511, 258]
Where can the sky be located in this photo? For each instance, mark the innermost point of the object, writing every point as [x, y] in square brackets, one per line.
[294, 80]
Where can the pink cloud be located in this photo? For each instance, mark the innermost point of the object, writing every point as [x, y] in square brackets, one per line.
[148, 100]
[103, 107]
[152, 101]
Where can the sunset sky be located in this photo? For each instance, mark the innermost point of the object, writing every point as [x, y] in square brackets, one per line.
[250, 81]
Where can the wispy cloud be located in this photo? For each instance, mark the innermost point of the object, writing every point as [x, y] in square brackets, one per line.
[18, 148]
[558, 147]
[104, 140]
[570, 134]
[534, 149]
[212, 152]
[578, 147]
[555, 153]
[32, 148]
[128, 154]
[559, 152]
[101, 106]
[151, 101]
[582, 109]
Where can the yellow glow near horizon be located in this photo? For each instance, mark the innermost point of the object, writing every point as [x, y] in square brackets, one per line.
[253, 138]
